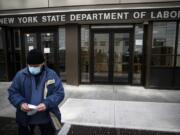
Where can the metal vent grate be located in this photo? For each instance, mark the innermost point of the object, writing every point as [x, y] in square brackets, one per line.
[85, 130]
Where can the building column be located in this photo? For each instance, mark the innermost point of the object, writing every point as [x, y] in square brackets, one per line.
[72, 54]
[147, 49]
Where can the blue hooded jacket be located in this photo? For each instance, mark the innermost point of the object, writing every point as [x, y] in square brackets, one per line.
[21, 89]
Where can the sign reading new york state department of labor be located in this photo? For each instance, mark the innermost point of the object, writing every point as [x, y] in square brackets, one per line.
[112, 16]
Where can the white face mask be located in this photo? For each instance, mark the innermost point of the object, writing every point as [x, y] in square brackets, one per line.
[34, 70]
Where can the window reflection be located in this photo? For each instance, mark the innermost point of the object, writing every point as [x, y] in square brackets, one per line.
[62, 54]
[47, 45]
[47, 37]
[18, 57]
[84, 54]
[1, 43]
[121, 57]
[178, 49]
[2, 58]
[138, 48]
[30, 41]
[17, 41]
[163, 46]
[101, 57]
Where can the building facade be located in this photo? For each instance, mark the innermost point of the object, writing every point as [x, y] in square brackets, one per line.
[132, 42]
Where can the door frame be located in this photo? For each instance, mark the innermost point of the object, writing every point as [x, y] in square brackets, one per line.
[111, 53]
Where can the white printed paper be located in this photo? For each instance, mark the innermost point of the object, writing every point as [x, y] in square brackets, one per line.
[32, 107]
[31, 47]
[46, 50]
[139, 42]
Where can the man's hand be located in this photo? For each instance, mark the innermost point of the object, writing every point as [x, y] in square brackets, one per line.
[41, 107]
[25, 108]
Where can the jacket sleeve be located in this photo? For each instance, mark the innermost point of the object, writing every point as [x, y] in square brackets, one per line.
[15, 97]
[54, 99]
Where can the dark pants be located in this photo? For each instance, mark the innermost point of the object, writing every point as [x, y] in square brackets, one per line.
[45, 129]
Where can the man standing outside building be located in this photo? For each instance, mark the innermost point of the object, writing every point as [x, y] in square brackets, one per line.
[36, 91]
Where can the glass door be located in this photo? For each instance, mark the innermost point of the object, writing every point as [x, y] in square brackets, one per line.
[111, 57]
[44, 40]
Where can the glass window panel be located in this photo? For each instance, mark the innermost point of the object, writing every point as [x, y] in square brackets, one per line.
[178, 49]
[18, 56]
[121, 57]
[2, 56]
[101, 57]
[162, 60]
[138, 48]
[62, 39]
[2, 52]
[3, 74]
[48, 47]
[30, 41]
[84, 54]
[17, 42]
[164, 34]
[62, 53]
[2, 71]
[164, 37]
[178, 61]
[1, 42]
[47, 37]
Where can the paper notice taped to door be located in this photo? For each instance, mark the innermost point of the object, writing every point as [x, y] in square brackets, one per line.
[139, 42]
[46, 50]
[30, 48]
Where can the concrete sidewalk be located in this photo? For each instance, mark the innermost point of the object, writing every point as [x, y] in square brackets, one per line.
[151, 116]
[122, 93]
[100, 92]
[115, 93]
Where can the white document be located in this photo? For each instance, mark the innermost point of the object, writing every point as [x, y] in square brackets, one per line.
[31, 47]
[33, 109]
[46, 50]
[139, 42]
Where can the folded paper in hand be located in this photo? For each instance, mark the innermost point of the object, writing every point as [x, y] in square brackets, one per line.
[33, 109]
